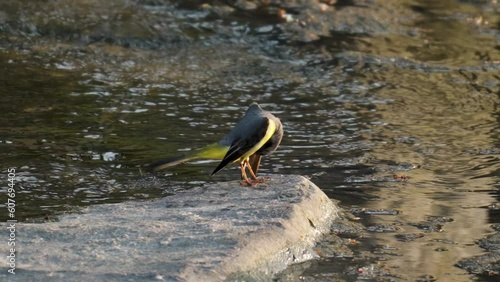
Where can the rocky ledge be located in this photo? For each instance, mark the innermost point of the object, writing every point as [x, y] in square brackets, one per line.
[216, 232]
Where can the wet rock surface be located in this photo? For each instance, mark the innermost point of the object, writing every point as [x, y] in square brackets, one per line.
[487, 265]
[210, 233]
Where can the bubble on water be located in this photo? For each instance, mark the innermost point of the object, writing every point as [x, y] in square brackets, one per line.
[93, 136]
[65, 66]
[110, 156]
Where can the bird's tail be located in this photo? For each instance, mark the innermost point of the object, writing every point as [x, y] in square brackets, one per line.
[213, 151]
[163, 164]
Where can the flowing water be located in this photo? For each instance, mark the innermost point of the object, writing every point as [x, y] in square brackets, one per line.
[390, 107]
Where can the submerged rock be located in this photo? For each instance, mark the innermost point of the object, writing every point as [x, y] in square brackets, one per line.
[487, 264]
[211, 233]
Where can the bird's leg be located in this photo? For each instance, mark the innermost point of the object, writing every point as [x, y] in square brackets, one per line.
[254, 161]
[247, 164]
[255, 179]
[245, 181]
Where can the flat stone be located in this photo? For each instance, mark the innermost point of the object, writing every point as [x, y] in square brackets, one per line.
[217, 232]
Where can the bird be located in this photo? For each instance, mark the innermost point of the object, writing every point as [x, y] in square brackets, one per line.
[258, 133]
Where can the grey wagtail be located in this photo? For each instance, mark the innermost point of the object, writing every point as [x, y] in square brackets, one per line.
[257, 134]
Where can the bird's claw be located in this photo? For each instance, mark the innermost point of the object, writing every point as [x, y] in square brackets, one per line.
[253, 182]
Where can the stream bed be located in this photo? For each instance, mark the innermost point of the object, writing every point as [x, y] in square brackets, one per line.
[390, 107]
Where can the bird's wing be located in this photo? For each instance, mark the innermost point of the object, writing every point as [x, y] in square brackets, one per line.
[251, 136]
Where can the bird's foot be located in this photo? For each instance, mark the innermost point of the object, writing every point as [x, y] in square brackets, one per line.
[253, 182]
